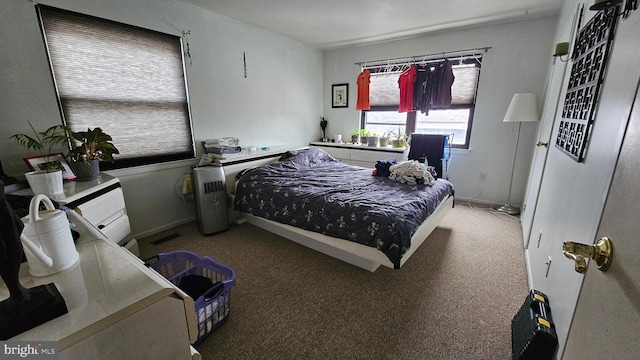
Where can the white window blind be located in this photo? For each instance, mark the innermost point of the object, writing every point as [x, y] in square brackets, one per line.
[384, 90]
[457, 118]
[126, 80]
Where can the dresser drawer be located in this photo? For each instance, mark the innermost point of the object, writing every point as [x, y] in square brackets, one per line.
[369, 158]
[104, 209]
[116, 230]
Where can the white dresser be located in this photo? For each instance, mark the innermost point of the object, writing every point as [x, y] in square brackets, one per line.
[101, 203]
[117, 307]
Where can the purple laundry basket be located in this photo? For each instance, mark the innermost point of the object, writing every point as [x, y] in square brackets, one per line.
[212, 308]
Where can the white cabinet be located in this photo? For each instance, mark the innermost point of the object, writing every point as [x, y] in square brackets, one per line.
[343, 154]
[101, 203]
[358, 154]
[368, 158]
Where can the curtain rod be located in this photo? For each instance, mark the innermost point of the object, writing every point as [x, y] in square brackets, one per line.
[426, 57]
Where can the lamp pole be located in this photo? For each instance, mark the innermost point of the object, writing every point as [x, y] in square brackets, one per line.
[508, 208]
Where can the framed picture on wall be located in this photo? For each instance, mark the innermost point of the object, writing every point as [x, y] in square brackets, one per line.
[57, 160]
[340, 95]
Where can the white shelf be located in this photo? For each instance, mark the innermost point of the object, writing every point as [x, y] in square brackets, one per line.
[357, 146]
[74, 190]
[259, 153]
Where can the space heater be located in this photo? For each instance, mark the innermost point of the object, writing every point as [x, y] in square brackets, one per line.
[211, 198]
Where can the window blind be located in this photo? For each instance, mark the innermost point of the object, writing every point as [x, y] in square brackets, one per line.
[126, 80]
[384, 90]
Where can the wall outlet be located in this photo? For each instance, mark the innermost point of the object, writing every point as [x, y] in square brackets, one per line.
[483, 177]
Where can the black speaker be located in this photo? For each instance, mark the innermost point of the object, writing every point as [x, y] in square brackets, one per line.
[533, 334]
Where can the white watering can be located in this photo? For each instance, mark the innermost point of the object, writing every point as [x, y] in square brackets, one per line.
[46, 239]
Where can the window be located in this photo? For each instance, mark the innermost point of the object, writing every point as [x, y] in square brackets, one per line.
[126, 80]
[455, 119]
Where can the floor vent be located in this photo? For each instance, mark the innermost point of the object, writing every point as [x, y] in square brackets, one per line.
[164, 239]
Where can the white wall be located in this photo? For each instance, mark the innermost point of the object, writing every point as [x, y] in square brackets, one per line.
[517, 62]
[280, 101]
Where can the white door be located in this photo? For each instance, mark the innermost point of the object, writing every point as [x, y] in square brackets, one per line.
[552, 103]
[573, 195]
[544, 141]
[606, 324]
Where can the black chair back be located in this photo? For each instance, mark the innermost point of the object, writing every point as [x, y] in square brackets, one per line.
[428, 146]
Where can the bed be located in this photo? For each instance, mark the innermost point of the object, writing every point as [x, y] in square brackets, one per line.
[341, 210]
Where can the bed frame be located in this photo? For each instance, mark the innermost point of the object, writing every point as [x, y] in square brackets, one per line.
[363, 256]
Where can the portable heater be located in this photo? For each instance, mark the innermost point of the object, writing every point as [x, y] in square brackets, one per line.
[211, 198]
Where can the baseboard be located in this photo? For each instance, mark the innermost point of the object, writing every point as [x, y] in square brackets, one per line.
[480, 201]
[162, 228]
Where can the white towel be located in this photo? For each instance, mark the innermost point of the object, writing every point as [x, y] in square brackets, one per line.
[227, 141]
[410, 172]
[221, 149]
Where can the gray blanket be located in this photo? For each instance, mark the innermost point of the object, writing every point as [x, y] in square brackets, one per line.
[311, 190]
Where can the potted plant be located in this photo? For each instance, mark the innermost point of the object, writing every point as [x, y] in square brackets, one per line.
[364, 134]
[88, 149]
[48, 179]
[372, 140]
[384, 139]
[355, 136]
[398, 138]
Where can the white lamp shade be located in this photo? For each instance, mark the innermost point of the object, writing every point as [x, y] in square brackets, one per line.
[523, 108]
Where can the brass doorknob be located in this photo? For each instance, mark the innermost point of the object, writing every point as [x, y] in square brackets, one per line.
[601, 253]
[542, 143]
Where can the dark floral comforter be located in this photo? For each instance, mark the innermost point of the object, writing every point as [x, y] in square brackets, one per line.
[310, 189]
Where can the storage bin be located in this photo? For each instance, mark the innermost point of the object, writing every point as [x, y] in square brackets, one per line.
[212, 307]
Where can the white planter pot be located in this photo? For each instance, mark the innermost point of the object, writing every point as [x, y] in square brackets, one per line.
[42, 182]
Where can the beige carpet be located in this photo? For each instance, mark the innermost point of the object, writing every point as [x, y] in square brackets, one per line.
[453, 299]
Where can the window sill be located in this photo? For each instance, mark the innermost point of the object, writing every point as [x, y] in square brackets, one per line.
[463, 152]
[142, 169]
[357, 146]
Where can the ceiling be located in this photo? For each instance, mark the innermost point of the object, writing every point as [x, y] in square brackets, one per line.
[331, 24]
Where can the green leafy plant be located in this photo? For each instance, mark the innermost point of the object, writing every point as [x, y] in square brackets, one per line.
[44, 142]
[398, 137]
[92, 145]
[397, 134]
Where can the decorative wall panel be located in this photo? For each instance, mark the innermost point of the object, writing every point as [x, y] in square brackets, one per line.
[589, 58]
